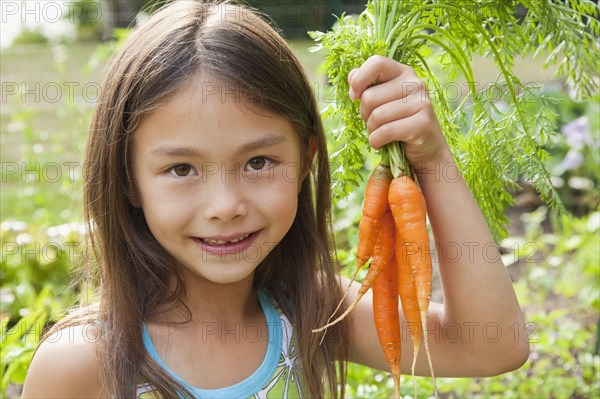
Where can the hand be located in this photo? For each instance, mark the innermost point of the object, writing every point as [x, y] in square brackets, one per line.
[397, 108]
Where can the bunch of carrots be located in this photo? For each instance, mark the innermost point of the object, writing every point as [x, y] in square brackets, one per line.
[392, 232]
[393, 235]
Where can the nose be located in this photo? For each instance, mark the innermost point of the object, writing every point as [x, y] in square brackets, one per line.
[224, 201]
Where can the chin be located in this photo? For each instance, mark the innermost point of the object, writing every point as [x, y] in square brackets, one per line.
[226, 273]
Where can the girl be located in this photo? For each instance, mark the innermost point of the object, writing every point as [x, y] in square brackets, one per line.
[207, 201]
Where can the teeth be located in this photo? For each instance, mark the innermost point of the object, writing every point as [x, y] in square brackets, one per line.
[221, 242]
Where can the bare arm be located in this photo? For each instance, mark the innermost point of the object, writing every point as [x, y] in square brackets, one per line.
[480, 304]
[473, 332]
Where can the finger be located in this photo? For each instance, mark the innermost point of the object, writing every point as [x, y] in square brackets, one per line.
[399, 130]
[351, 74]
[376, 96]
[352, 94]
[376, 69]
[398, 91]
[390, 91]
[394, 110]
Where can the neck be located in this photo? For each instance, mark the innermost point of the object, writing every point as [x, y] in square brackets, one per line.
[208, 301]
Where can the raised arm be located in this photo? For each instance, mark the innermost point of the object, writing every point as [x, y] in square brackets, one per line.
[479, 328]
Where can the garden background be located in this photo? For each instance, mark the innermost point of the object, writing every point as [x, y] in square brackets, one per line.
[52, 62]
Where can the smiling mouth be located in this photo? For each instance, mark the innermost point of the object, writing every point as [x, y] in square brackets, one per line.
[223, 242]
[233, 244]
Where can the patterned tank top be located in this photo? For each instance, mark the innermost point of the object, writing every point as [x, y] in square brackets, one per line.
[278, 376]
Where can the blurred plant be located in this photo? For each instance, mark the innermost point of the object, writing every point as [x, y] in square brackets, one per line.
[35, 268]
[42, 185]
[41, 239]
[84, 13]
[19, 343]
[29, 36]
[576, 169]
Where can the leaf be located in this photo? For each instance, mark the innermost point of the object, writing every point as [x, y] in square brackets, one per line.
[22, 326]
[496, 136]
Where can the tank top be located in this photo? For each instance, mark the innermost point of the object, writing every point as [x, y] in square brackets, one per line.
[278, 376]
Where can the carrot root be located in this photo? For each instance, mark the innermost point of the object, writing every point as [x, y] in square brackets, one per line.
[378, 263]
[343, 315]
[385, 299]
[425, 340]
[410, 215]
[374, 207]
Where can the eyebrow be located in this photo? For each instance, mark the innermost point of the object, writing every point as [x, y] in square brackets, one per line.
[175, 151]
[266, 141]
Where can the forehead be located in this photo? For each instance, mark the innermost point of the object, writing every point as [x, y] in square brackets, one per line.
[208, 111]
[204, 93]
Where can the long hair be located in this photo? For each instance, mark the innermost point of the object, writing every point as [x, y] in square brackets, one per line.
[235, 46]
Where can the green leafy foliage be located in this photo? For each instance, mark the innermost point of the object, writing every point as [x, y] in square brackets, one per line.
[41, 235]
[490, 128]
[575, 165]
[35, 270]
[349, 47]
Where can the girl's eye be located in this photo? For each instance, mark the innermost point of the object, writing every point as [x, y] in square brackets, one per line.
[258, 163]
[181, 170]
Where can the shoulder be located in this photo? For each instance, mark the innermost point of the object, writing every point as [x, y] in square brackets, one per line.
[66, 365]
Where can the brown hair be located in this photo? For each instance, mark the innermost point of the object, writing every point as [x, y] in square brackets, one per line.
[234, 45]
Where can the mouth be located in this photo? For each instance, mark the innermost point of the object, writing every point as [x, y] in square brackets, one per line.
[212, 241]
[226, 244]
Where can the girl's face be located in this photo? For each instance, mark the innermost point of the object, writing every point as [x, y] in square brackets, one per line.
[218, 183]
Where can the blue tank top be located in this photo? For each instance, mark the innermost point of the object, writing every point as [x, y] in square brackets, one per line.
[278, 376]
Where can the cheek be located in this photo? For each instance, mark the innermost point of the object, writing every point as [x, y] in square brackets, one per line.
[284, 206]
[163, 212]
[160, 219]
[280, 200]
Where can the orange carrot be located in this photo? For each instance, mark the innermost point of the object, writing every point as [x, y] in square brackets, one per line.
[410, 304]
[383, 251]
[374, 206]
[387, 319]
[410, 216]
